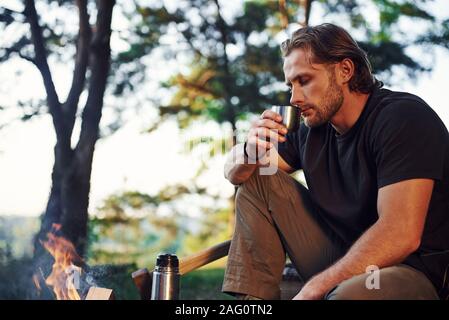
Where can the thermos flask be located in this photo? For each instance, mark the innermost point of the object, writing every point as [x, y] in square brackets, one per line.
[166, 278]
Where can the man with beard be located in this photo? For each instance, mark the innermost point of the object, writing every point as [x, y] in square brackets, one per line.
[373, 222]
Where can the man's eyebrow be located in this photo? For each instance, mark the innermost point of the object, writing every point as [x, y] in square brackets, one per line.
[296, 77]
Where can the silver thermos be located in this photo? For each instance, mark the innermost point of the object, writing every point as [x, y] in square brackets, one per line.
[166, 278]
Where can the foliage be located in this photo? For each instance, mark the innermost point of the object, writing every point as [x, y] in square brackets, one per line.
[388, 37]
[133, 227]
[224, 86]
[214, 229]
[235, 63]
[203, 284]
[128, 230]
[15, 277]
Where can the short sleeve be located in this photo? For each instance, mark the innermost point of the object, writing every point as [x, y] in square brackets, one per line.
[290, 149]
[409, 143]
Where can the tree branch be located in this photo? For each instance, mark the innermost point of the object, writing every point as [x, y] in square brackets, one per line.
[8, 16]
[11, 11]
[81, 62]
[20, 54]
[284, 13]
[36, 110]
[41, 62]
[192, 46]
[199, 85]
[307, 9]
[100, 56]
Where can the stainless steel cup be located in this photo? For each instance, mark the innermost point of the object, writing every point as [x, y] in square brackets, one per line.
[290, 116]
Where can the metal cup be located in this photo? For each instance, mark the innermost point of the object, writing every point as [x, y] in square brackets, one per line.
[290, 116]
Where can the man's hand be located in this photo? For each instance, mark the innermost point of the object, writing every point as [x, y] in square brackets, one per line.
[268, 128]
[315, 289]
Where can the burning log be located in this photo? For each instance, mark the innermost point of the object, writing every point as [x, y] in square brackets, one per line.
[70, 278]
[66, 270]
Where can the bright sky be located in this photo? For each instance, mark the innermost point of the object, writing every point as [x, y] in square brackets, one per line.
[130, 160]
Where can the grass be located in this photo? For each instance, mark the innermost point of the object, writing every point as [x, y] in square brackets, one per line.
[203, 284]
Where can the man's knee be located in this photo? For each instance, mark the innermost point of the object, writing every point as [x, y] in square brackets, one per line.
[259, 186]
[393, 283]
[352, 289]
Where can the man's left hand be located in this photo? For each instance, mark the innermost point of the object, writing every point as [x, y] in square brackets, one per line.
[315, 289]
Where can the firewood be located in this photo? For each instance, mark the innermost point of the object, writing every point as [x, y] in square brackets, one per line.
[97, 293]
[143, 279]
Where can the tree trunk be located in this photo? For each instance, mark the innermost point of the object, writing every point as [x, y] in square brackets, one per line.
[54, 207]
[307, 8]
[69, 197]
[76, 181]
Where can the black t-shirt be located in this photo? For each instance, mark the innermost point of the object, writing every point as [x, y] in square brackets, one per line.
[397, 137]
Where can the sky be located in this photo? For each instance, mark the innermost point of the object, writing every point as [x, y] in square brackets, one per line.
[130, 160]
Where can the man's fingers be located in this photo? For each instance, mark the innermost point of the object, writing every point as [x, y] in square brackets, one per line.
[270, 114]
[255, 145]
[268, 134]
[268, 123]
[264, 132]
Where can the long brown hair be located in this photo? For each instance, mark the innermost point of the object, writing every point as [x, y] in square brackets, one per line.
[329, 43]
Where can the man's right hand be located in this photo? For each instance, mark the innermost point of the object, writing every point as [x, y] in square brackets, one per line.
[263, 132]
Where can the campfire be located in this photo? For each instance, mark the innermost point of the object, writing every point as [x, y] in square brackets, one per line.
[72, 279]
[67, 275]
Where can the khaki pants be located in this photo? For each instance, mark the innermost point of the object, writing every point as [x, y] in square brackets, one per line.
[274, 216]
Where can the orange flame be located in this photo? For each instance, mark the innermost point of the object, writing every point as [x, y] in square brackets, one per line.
[63, 278]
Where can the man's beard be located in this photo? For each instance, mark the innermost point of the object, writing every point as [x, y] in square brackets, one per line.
[328, 106]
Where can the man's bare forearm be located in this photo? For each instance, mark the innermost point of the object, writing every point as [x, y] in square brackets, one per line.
[235, 169]
[381, 245]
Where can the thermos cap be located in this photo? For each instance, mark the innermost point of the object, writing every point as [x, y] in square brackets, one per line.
[167, 260]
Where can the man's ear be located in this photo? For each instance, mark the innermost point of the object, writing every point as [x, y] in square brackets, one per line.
[345, 70]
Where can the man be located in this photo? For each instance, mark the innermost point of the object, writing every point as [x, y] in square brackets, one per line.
[376, 163]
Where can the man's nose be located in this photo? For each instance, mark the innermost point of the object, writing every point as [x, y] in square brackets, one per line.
[297, 97]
